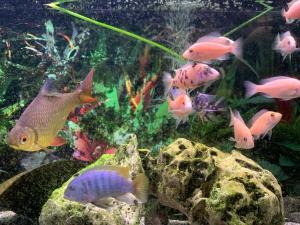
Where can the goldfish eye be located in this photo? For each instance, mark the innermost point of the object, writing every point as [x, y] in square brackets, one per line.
[23, 139]
[245, 139]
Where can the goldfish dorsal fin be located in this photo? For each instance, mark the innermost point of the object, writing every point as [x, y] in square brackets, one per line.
[209, 37]
[292, 3]
[123, 171]
[49, 89]
[264, 81]
[256, 116]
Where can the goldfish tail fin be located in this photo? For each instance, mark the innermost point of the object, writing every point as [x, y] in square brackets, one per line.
[141, 187]
[237, 48]
[167, 81]
[85, 89]
[251, 89]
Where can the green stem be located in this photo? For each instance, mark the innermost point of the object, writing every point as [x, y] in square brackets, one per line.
[268, 9]
[54, 5]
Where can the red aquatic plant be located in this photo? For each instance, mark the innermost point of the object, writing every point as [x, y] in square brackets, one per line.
[89, 151]
[144, 61]
[81, 111]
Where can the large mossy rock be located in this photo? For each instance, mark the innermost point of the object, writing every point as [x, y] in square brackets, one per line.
[215, 188]
[59, 211]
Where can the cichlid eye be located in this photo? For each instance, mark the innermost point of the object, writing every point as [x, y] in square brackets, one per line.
[288, 42]
[190, 50]
[245, 139]
[272, 115]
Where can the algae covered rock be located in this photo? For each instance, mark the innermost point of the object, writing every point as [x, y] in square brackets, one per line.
[215, 188]
[60, 211]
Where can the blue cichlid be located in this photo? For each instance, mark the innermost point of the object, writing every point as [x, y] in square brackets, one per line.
[98, 185]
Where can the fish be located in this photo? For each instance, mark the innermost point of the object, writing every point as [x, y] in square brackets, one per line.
[285, 44]
[263, 122]
[180, 106]
[293, 12]
[206, 105]
[89, 151]
[242, 134]
[213, 47]
[281, 87]
[37, 127]
[99, 184]
[190, 76]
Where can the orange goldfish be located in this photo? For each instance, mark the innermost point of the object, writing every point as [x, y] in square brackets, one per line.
[293, 12]
[39, 124]
[285, 44]
[281, 87]
[263, 122]
[213, 47]
[242, 134]
[181, 106]
[190, 76]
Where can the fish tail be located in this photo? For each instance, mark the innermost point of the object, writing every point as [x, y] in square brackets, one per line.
[251, 89]
[231, 117]
[237, 48]
[141, 187]
[85, 89]
[167, 81]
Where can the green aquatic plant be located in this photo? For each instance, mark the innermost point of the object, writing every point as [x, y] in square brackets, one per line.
[55, 5]
[100, 53]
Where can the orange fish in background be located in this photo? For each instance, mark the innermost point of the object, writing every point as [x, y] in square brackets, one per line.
[280, 87]
[39, 124]
[285, 44]
[263, 122]
[181, 106]
[213, 47]
[293, 12]
[190, 76]
[242, 134]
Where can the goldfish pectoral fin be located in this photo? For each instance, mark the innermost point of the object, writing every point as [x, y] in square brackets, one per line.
[105, 203]
[58, 141]
[128, 198]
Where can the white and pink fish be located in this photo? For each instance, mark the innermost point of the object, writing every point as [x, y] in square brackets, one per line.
[285, 44]
[293, 12]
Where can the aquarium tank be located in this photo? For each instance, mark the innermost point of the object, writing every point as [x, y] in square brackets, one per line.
[155, 112]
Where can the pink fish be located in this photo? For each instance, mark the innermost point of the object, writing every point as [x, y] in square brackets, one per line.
[281, 87]
[190, 76]
[285, 44]
[213, 47]
[293, 12]
[242, 134]
[263, 122]
[181, 106]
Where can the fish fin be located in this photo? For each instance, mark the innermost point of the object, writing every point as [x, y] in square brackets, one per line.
[49, 89]
[286, 34]
[58, 141]
[128, 198]
[251, 89]
[256, 116]
[168, 82]
[292, 3]
[178, 121]
[237, 115]
[105, 203]
[231, 139]
[141, 187]
[176, 92]
[277, 43]
[209, 37]
[224, 57]
[123, 171]
[237, 49]
[271, 79]
[85, 89]
[269, 133]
